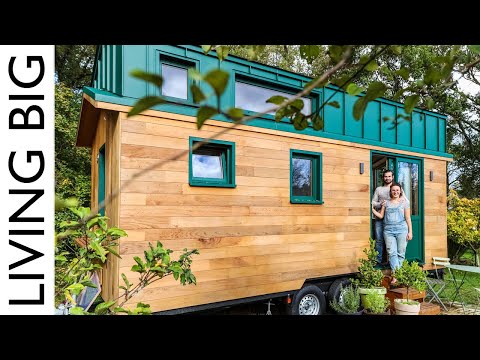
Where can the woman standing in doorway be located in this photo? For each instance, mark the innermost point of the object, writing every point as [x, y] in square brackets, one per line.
[397, 223]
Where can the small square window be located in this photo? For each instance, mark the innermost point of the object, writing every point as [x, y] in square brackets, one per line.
[212, 164]
[305, 177]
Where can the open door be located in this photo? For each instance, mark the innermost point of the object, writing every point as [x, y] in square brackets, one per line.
[408, 173]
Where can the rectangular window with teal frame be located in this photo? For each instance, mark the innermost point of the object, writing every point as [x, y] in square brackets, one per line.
[212, 164]
[305, 177]
[101, 178]
[176, 82]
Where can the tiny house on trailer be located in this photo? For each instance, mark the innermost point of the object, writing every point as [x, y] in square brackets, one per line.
[274, 212]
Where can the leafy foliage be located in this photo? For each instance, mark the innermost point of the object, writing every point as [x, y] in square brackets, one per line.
[72, 164]
[375, 304]
[411, 275]
[463, 222]
[350, 300]
[368, 276]
[74, 65]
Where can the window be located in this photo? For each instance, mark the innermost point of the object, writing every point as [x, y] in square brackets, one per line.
[212, 164]
[305, 177]
[253, 98]
[176, 84]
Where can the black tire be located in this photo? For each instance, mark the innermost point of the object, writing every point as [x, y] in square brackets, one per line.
[309, 300]
[334, 289]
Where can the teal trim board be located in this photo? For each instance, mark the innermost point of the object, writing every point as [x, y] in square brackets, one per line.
[425, 133]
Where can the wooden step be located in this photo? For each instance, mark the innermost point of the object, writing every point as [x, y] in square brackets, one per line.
[427, 308]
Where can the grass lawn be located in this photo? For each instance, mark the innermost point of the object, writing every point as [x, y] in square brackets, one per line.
[468, 293]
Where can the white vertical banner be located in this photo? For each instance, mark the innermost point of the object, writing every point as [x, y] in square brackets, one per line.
[27, 180]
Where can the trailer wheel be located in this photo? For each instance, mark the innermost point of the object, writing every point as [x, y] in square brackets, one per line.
[334, 289]
[309, 300]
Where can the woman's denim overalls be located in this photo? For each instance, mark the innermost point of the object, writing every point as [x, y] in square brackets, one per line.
[395, 232]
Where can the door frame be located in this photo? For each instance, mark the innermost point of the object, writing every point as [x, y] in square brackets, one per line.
[421, 188]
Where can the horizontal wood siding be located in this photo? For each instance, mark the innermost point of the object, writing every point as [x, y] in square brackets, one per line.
[435, 209]
[252, 241]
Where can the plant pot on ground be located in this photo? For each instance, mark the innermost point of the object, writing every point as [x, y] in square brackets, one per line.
[369, 279]
[375, 305]
[411, 276]
[349, 302]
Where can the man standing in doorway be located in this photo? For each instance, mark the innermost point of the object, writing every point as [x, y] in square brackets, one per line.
[382, 193]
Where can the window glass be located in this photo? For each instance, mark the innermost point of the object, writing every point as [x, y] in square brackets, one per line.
[175, 81]
[302, 177]
[207, 164]
[253, 98]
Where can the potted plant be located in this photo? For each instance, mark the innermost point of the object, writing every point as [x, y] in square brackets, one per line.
[375, 305]
[349, 303]
[410, 276]
[369, 279]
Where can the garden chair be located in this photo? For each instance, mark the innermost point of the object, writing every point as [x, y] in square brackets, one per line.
[435, 286]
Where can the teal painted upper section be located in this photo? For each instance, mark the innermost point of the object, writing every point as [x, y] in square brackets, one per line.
[426, 133]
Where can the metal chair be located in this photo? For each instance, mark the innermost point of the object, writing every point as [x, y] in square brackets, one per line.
[435, 286]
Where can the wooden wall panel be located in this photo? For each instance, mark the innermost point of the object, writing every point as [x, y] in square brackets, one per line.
[108, 133]
[435, 209]
[252, 241]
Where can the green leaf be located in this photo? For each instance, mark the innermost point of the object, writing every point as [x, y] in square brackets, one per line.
[359, 108]
[125, 280]
[112, 251]
[396, 49]
[75, 289]
[317, 122]
[280, 114]
[138, 268]
[403, 72]
[235, 113]
[139, 261]
[410, 103]
[430, 103]
[145, 104]
[65, 224]
[198, 95]
[102, 308]
[92, 222]
[309, 52]
[335, 52]
[218, 80]
[371, 66]
[114, 231]
[276, 99]
[76, 311]
[297, 104]
[206, 48]
[60, 258]
[354, 90]
[398, 94]
[205, 113]
[335, 104]
[99, 250]
[222, 52]
[300, 122]
[432, 76]
[474, 48]
[375, 90]
[155, 79]
[194, 74]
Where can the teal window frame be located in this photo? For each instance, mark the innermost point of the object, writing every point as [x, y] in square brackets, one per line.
[316, 159]
[262, 83]
[227, 149]
[181, 64]
[101, 178]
